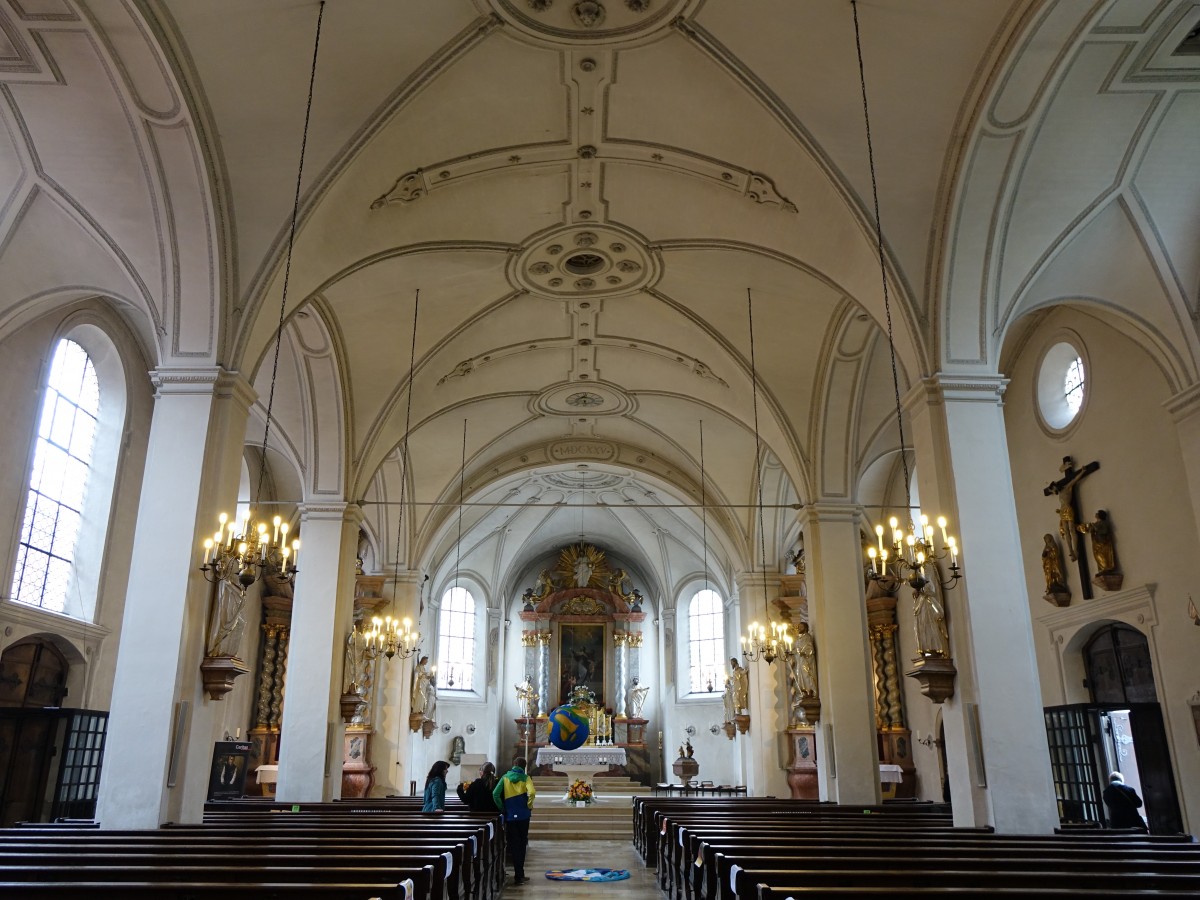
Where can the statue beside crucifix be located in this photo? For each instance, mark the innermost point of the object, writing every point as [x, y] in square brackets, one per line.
[1068, 514]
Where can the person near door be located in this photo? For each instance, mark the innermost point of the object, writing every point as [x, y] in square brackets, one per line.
[1123, 804]
[514, 797]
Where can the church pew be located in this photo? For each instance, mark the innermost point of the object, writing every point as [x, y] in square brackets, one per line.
[462, 845]
[893, 892]
[917, 881]
[483, 849]
[695, 862]
[675, 851]
[740, 879]
[200, 890]
[251, 850]
[648, 813]
[183, 874]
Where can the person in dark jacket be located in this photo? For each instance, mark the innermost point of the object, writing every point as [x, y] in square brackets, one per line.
[514, 795]
[478, 795]
[435, 788]
[1123, 804]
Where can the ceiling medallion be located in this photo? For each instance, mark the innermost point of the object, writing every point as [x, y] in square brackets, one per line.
[583, 398]
[591, 21]
[597, 259]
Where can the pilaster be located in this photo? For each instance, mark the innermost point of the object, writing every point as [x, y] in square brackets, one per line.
[848, 769]
[312, 730]
[162, 726]
[997, 753]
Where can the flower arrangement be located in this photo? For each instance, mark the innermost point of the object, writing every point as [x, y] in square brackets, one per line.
[580, 792]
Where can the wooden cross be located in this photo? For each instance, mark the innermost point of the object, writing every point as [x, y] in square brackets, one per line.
[1068, 516]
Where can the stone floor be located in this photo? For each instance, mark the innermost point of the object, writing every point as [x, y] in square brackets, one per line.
[546, 855]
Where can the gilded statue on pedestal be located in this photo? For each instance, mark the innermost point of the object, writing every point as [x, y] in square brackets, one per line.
[739, 681]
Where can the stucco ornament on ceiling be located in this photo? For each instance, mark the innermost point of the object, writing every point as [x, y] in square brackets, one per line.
[594, 259]
[594, 21]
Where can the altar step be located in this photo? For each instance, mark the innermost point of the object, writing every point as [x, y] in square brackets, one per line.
[610, 820]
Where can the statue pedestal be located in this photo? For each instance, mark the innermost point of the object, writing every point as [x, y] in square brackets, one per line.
[936, 676]
[527, 729]
[358, 775]
[635, 731]
[219, 673]
[802, 763]
[742, 721]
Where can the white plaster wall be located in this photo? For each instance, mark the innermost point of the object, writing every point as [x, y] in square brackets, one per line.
[1141, 482]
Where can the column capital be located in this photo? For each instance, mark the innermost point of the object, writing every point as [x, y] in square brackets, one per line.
[829, 513]
[331, 511]
[213, 380]
[757, 578]
[1185, 404]
[944, 387]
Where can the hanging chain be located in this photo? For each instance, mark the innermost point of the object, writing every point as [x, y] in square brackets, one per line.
[762, 538]
[412, 360]
[462, 474]
[887, 307]
[287, 268]
[703, 505]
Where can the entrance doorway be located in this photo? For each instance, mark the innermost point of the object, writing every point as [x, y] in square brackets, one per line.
[1121, 730]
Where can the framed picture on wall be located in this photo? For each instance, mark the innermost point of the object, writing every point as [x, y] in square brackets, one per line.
[581, 659]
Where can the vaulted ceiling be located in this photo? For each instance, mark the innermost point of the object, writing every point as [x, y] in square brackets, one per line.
[594, 200]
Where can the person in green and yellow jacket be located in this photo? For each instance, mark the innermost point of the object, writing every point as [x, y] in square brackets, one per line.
[514, 797]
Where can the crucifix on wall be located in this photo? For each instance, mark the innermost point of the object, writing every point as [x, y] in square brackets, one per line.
[1068, 516]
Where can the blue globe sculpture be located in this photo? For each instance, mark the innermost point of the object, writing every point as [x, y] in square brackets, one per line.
[568, 728]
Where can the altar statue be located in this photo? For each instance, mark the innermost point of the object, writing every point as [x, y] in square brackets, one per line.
[228, 622]
[806, 661]
[932, 637]
[637, 699]
[740, 680]
[527, 698]
[1103, 550]
[424, 696]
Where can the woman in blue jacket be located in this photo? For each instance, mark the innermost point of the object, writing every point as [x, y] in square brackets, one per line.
[435, 788]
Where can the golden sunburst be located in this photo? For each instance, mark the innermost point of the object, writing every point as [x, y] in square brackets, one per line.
[582, 565]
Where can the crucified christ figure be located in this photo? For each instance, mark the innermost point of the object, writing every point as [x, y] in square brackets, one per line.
[1065, 489]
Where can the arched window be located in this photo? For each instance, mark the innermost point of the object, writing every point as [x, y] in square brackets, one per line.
[456, 641]
[45, 573]
[706, 640]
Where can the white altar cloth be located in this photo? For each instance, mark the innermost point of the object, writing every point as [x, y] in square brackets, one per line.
[593, 757]
[889, 774]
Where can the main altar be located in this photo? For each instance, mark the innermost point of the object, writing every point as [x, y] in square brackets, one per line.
[582, 631]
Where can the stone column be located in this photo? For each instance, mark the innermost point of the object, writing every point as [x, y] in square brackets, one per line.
[765, 769]
[323, 613]
[997, 753]
[849, 765]
[620, 640]
[162, 726]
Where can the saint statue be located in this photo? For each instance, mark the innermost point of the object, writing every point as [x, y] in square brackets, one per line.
[1103, 550]
[806, 661]
[424, 695]
[228, 623]
[740, 681]
[932, 637]
[728, 700]
[527, 698]
[1052, 567]
[637, 699]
